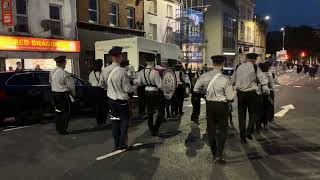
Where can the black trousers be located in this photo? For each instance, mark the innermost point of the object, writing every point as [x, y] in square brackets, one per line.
[119, 112]
[196, 106]
[179, 99]
[141, 95]
[99, 102]
[251, 102]
[155, 102]
[217, 126]
[267, 114]
[62, 103]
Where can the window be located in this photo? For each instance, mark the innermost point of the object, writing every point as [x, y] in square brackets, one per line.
[169, 11]
[153, 6]
[249, 35]
[22, 24]
[56, 20]
[152, 32]
[130, 18]
[169, 35]
[41, 78]
[242, 30]
[93, 11]
[114, 14]
[24, 79]
[229, 42]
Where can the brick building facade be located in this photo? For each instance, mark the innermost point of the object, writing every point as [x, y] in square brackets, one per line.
[99, 20]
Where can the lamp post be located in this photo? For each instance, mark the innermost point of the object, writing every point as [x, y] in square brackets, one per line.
[283, 36]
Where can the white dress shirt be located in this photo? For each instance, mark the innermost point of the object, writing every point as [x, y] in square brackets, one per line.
[61, 81]
[119, 85]
[94, 78]
[149, 77]
[220, 91]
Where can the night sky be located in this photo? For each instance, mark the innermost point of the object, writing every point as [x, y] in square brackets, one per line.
[290, 12]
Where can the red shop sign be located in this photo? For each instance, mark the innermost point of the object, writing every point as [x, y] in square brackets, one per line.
[7, 18]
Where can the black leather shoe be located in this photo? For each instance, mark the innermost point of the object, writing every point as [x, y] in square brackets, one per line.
[220, 160]
[249, 136]
[243, 141]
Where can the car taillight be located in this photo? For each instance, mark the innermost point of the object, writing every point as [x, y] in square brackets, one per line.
[2, 94]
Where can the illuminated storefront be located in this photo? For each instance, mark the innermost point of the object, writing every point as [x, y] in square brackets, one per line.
[37, 51]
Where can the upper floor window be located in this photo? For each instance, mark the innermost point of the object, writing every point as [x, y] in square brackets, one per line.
[152, 34]
[131, 17]
[56, 20]
[169, 11]
[93, 11]
[114, 14]
[153, 8]
[21, 24]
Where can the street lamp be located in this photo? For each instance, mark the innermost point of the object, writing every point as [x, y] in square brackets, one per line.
[283, 36]
[267, 18]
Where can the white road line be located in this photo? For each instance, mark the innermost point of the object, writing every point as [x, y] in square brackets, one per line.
[296, 80]
[297, 86]
[11, 129]
[115, 152]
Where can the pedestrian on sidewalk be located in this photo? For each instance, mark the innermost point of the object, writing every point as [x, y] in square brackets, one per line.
[99, 95]
[180, 90]
[267, 113]
[63, 91]
[247, 79]
[219, 92]
[151, 79]
[115, 79]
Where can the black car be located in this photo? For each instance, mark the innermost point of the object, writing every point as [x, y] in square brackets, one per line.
[27, 95]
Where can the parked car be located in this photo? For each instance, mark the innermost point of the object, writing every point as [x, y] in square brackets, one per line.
[27, 95]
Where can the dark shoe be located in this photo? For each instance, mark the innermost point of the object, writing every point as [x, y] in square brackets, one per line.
[64, 133]
[156, 133]
[220, 160]
[243, 141]
[126, 147]
[196, 123]
[249, 136]
[214, 153]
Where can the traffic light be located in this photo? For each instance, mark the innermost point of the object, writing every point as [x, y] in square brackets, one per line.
[303, 54]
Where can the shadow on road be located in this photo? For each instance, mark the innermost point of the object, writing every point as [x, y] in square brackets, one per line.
[194, 142]
[277, 162]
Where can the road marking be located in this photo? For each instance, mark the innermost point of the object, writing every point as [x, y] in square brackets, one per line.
[297, 86]
[116, 152]
[11, 129]
[296, 80]
[284, 110]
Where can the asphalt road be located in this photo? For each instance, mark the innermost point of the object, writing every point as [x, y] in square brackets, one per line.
[289, 150]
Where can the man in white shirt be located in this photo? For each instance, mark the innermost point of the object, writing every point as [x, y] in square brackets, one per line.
[219, 92]
[98, 94]
[250, 83]
[115, 79]
[62, 87]
[151, 78]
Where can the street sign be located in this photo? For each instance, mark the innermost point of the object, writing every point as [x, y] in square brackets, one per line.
[7, 18]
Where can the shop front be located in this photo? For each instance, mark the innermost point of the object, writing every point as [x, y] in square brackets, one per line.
[37, 52]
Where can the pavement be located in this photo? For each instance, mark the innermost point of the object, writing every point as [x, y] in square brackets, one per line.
[290, 149]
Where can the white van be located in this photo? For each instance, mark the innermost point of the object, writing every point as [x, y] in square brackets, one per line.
[138, 49]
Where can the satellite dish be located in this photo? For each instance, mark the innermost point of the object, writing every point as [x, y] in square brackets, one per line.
[45, 24]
